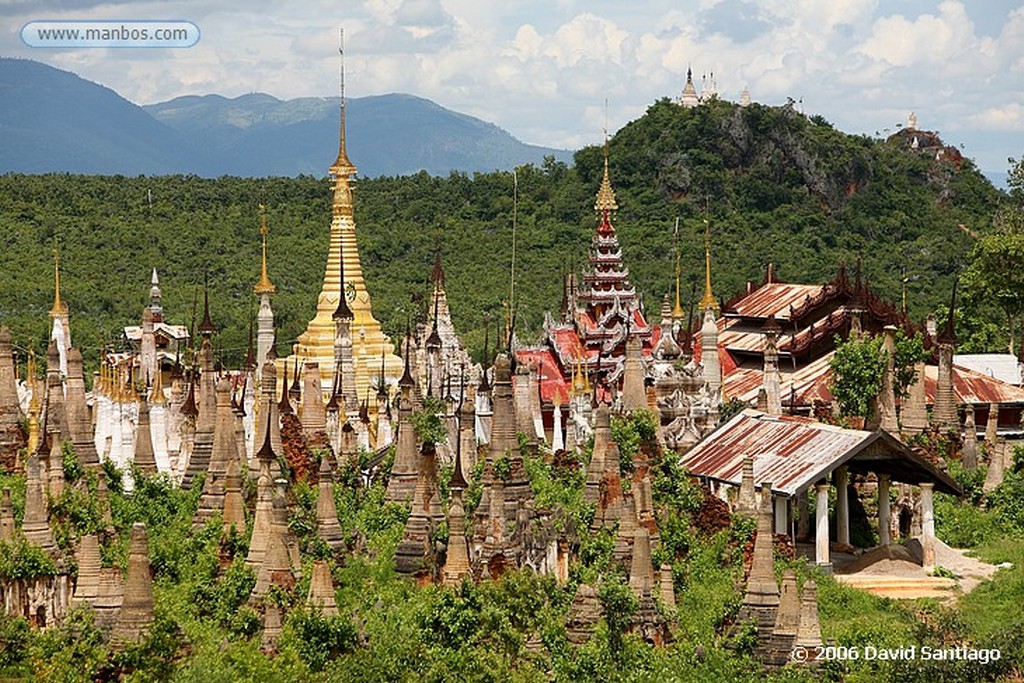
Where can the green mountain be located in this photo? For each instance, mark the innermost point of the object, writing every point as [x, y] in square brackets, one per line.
[52, 121]
[780, 187]
[773, 185]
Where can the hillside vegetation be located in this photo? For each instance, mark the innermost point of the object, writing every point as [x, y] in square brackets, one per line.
[207, 629]
[774, 185]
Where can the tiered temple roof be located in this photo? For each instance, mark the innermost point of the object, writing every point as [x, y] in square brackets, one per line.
[590, 339]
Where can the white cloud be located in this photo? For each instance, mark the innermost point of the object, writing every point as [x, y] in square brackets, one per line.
[1009, 117]
[929, 39]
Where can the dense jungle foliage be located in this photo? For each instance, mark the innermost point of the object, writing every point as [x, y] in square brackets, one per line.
[513, 629]
[774, 185]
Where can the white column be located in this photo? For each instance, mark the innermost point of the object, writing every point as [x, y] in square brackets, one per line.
[884, 511]
[842, 506]
[821, 534]
[781, 515]
[928, 525]
[557, 442]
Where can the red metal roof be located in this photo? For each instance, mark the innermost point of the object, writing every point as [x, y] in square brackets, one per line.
[551, 381]
[775, 299]
[793, 453]
[567, 342]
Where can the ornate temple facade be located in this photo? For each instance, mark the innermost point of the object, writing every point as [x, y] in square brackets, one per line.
[585, 349]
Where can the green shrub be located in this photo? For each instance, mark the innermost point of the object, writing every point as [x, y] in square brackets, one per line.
[317, 638]
[72, 467]
[427, 423]
[15, 637]
[71, 651]
[633, 433]
[963, 525]
[19, 559]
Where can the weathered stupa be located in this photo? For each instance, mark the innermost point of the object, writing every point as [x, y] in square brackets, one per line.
[136, 615]
[12, 439]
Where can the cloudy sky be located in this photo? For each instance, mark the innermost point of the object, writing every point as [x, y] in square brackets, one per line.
[543, 70]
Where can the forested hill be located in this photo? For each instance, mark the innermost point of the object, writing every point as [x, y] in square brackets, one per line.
[774, 186]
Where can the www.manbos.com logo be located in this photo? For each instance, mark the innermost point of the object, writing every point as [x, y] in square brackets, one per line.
[110, 33]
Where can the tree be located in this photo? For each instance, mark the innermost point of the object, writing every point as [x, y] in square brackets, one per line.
[909, 352]
[994, 275]
[857, 369]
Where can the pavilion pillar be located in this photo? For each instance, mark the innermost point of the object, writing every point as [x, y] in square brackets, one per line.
[821, 535]
[928, 525]
[842, 506]
[884, 511]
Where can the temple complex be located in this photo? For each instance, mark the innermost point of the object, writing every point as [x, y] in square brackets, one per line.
[787, 333]
[485, 468]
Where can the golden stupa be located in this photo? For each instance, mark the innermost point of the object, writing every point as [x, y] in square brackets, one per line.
[369, 343]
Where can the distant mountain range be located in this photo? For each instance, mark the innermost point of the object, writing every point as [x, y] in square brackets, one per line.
[54, 121]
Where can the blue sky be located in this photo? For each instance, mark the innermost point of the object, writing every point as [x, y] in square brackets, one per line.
[543, 70]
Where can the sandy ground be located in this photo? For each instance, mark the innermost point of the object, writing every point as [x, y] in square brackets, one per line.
[903, 562]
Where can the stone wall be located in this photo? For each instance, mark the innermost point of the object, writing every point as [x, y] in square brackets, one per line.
[43, 600]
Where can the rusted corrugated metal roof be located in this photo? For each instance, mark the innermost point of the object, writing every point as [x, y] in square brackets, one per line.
[793, 453]
[1003, 366]
[774, 299]
[802, 388]
[810, 383]
[743, 341]
[973, 387]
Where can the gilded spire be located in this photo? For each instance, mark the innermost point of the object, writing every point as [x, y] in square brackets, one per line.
[342, 169]
[59, 307]
[264, 286]
[605, 194]
[677, 310]
[709, 300]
